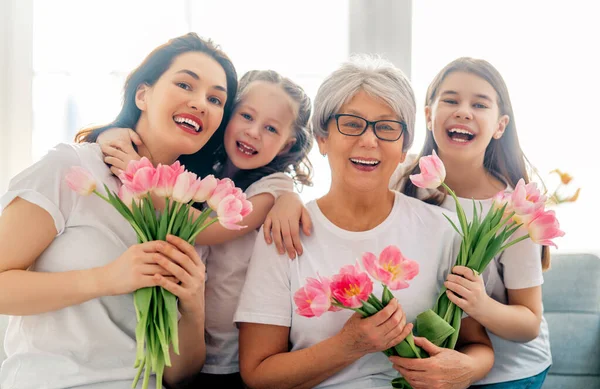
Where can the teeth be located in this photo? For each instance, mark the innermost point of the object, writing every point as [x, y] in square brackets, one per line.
[246, 149]
[192, 123]
[363, 162]
[461, 131]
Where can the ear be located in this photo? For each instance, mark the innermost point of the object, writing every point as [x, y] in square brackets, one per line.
[502, 123]
[141, 95]
[403, 157]
[428, 117]
[288, 145]
[322, 143]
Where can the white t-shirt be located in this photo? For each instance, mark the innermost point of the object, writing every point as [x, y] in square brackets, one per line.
[226, 271]
[517, 267]
[418, 229]
[90, 345]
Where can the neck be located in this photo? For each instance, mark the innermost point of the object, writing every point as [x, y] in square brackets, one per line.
[229, 169]
[470, 179]
[356, 211]
[151, 148]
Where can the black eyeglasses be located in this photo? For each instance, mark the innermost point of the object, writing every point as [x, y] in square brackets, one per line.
[352, 125]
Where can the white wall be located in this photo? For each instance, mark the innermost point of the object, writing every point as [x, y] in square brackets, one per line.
[15, 87]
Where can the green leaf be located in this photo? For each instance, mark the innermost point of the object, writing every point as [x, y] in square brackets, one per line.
[369, 308]
[181, 217]
[170, 302]
[453, 225]
[141, 301]
[433, 327]
[386, 296]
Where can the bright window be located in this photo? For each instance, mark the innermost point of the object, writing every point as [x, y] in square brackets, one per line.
[546, 52]
[80, 63]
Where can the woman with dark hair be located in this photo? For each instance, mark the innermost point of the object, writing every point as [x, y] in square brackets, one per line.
[264, 151]
[69, 264]
[471, 125]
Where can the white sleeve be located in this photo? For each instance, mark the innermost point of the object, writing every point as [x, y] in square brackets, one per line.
[275, 184]
[266, 296]
[44, 185]
[521, 264]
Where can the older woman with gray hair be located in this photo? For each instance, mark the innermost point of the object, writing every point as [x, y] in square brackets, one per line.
[364, 122]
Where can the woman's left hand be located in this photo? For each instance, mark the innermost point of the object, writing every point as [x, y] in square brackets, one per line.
[467, 290]
[182, 261]
[445, 368]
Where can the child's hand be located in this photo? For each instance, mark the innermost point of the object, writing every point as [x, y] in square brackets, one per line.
[283, 222]
[117, 148]
[467, 291]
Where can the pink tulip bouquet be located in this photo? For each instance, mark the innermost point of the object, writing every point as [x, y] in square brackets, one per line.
[352, 289]
[143, 185]
[484, 237]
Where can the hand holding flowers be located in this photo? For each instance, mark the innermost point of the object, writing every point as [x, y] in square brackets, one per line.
[483, 238]
[173, 265]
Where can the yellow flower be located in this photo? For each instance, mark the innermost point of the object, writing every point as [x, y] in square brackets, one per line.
[565, 178]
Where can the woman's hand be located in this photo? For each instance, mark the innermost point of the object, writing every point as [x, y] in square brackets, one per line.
[180, 259]
[136, 268]
[283, 223]
[467, 291]
[445, 368]
[385, 329]
[116, 145]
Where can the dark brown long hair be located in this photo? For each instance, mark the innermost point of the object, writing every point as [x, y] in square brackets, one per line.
[503, 157]
[149, 71]
[295, 161]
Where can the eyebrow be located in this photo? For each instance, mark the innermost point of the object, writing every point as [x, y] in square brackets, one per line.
[389, 116]
[243, 106]
[196, 77]
[485, 97]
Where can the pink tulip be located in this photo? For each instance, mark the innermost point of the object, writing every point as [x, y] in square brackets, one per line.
[229, 212]
[246, 205]
[127, 197]
[500, 200]
[224, 188]
[527, 199]
[543, 227]
[165, 178]
[351, 286]
[185, 187]
[139, 177]
[314, 299]
[433, 172]
[391, 268]
[81, 181]
[205, 189]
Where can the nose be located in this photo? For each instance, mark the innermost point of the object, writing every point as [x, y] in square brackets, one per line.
[368, 138]
[198, 102]
[252, 130]
[463, 111]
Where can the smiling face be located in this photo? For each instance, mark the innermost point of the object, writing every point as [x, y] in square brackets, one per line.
[362, 163]
[465, 117]
[183, 109]
[261, 126]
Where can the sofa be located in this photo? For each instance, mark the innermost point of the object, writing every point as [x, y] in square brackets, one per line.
[571, 295]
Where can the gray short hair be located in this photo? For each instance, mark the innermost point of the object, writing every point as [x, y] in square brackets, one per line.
[374, 75]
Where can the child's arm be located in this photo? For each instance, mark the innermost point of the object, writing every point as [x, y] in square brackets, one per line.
[518, 321]
[283, 223]
[217, 234]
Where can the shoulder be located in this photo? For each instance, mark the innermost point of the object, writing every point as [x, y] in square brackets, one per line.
[273, 183]
[432, 219]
